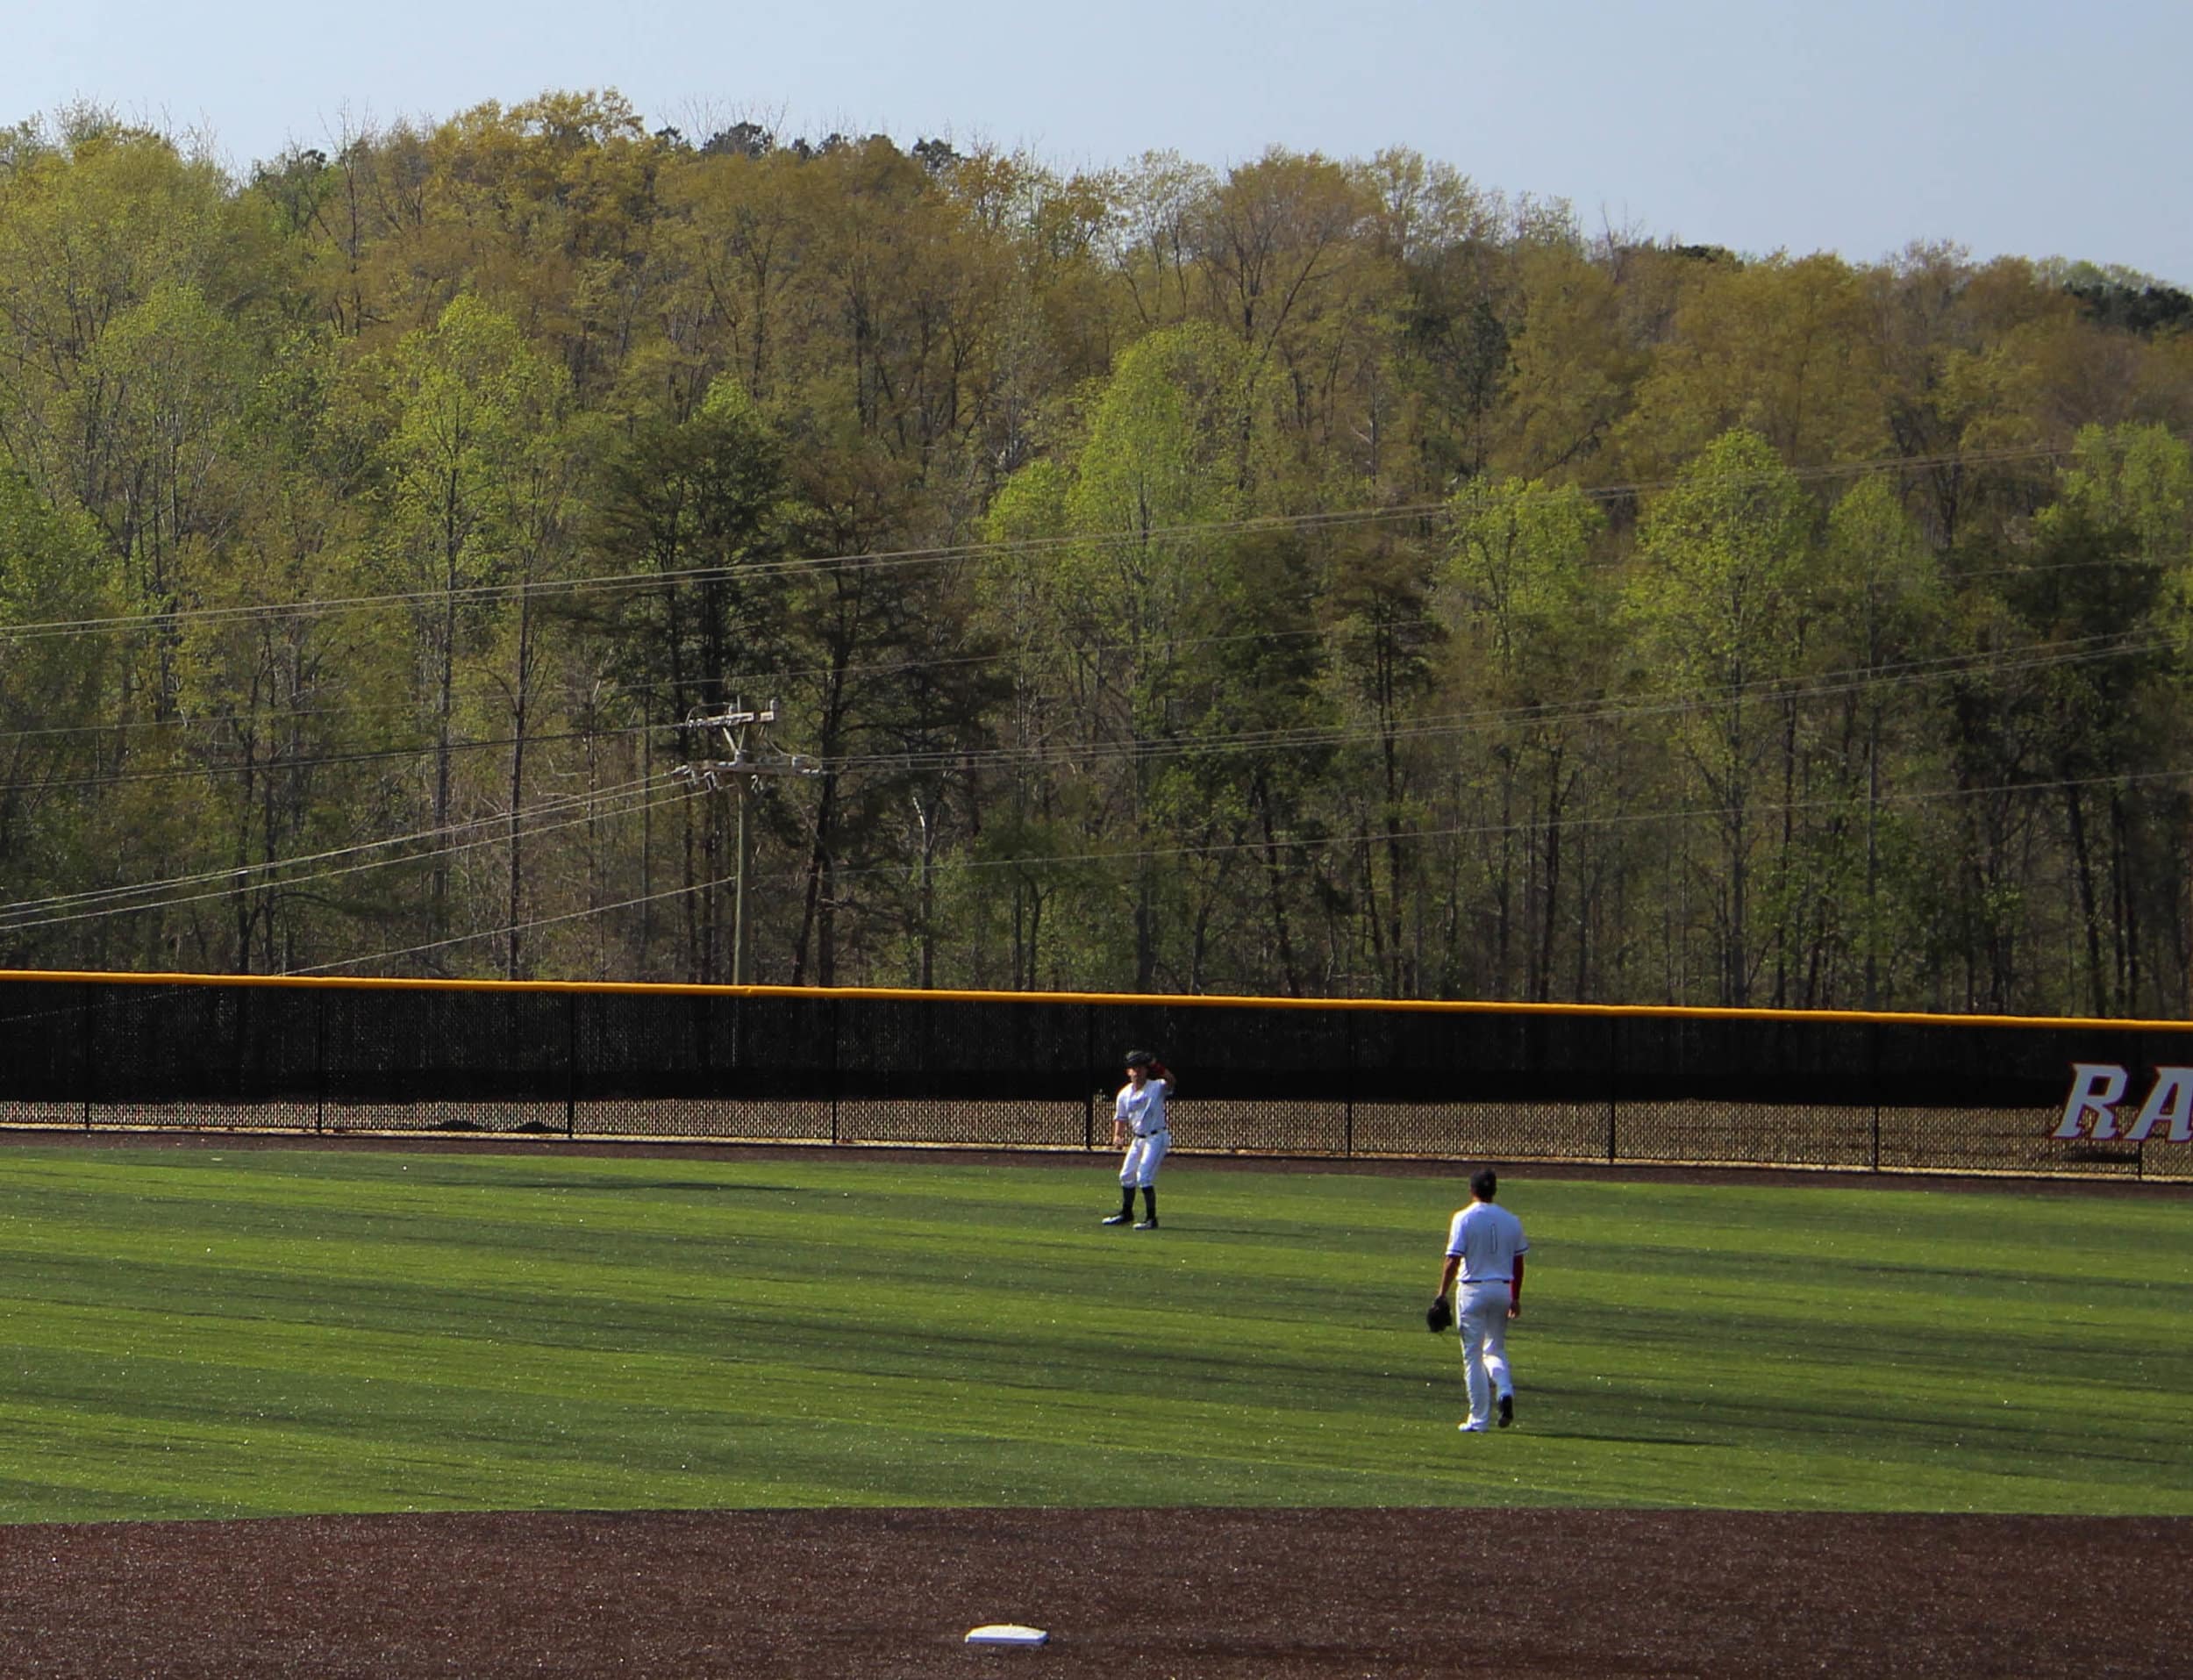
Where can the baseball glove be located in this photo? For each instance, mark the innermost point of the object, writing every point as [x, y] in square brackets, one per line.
[1439, 1315]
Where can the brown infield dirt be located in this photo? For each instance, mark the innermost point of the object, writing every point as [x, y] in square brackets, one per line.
[1244, 1595]
[1231, 1594]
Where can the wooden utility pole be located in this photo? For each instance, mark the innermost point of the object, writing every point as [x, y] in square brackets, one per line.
[751, 756]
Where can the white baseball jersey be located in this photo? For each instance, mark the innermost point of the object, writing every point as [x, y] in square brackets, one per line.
[1143, 1110]
[1487, 1238]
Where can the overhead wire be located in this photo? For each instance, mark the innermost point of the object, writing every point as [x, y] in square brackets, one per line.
[1308, 738]
[1328, 842]
[2011, 661]
[1341, 842]
[178, 901]
[105, 901]
[232, 872]
[1830, 685]
[766, 680]
[775, 680]
[880, 561]
[760, 682]
[528, 927]
[1986, 664]
[164, 620]
[309, 762]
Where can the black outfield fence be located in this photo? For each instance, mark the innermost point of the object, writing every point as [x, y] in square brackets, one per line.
[1894, 1093]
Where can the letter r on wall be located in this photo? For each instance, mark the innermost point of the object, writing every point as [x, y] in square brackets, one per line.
[2096, 1088]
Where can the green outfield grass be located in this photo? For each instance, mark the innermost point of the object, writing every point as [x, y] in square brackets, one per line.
[201, 1333]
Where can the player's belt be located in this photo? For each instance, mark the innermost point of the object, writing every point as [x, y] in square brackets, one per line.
[1158, 1133]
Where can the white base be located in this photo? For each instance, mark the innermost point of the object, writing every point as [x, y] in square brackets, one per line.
[1006, 1633]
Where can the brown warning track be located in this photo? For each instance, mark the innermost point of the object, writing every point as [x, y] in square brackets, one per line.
[1259, 1595]
[1101, 1161]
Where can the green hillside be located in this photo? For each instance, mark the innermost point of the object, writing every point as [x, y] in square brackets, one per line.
[1317, 575]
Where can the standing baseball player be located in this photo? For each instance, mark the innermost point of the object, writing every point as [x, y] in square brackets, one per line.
[1485, 1246]
[1139, 1123]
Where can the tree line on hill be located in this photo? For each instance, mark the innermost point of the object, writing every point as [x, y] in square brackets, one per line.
[1316, 577]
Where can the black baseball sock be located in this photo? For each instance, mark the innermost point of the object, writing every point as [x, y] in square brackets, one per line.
[1149, 1203]
[1126, 1201]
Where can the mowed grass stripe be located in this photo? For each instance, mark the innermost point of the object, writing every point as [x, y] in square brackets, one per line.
[204, 1333]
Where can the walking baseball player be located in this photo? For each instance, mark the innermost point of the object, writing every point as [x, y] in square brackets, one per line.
[1485, 1246]
[1139, 1123]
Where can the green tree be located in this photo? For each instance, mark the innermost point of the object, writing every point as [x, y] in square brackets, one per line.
[1572, 368]
[471, 406]
[1102, 610]
[51, 689]
[1383, 638]
[1716, 606]
[2116, 559]
[275, 686]
[703, 506]
[1783, 348]
[1884, 616]
[1162, 459]
[1523, 608]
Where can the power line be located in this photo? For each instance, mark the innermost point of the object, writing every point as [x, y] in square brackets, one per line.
[1308, 737]
[136, 624]
[161, 622]
[783, 678]
[176, 902]
[1331, 843]
[233, 872]
[1305, 738]
[363, 755]
[216, 719]
[1082, 752]
[786, 676]
[1568, 824]
[767, 681]
[504, 932]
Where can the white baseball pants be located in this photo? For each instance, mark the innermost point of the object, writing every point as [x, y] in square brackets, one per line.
[1139, 1170]
[1484, 1310]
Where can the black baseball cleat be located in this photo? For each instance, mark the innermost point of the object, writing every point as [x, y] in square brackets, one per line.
[1117, 1218]
[1149, 1224]
[1507, 1410]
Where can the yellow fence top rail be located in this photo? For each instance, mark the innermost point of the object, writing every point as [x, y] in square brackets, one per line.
[1167, 1000]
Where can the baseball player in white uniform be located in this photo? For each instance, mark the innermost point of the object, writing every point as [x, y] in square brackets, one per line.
[1485, 1246]
[1139, 1123]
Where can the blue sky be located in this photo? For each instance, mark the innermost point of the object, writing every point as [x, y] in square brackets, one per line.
[2009, 127]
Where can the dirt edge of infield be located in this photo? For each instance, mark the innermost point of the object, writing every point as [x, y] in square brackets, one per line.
[1231, 1594]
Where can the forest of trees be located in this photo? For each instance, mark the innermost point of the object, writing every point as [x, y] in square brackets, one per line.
[1315, 577]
